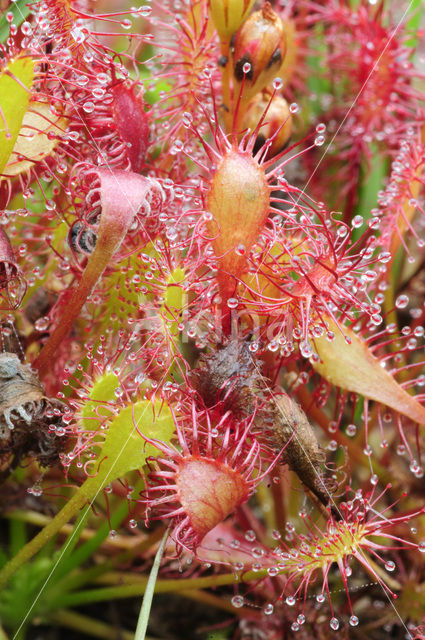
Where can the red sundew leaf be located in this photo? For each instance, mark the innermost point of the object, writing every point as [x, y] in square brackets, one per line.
[122, 194]
[353, 367]
[15, 84]
[132, 124]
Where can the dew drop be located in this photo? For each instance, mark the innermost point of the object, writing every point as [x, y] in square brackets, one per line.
[42, 324]
[35, 490]
[357, 222]
[290, 601]
[351, 430]
[294, 107]
[354, 621]
[237, 601]
[390, 565]
[319, 141]
[268, 609]
[402, 302]
[26, 28]
[334, 624]
[421, 547]
[305, 349]
[88, 106]
[232, 303]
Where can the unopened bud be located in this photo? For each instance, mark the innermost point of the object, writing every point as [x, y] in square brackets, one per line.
[259, 50]
[228, 15]
[238, 200]
[277, 121]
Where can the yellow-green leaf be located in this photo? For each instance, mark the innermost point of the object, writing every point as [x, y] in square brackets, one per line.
[15, 85]
[354, 368]
[40, 133]
[173, 300]
[102, 391]
[124, 449]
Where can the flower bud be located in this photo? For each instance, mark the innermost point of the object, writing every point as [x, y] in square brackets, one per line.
[228, 15]
[238, 200]
[259, 50]
[277, 121]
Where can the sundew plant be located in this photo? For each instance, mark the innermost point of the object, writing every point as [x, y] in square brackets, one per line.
[212, 296]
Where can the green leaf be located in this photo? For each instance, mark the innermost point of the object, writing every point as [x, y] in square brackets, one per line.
[20, 10]
[413, 25]
[142, 623]
[124, 448]
[15, 85]
[354, 368]
[103, 390]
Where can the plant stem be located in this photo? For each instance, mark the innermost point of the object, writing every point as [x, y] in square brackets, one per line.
[87, 626]
[138, 584]
[96, 265]
[142, 623]
[121, 193]
[89, 489]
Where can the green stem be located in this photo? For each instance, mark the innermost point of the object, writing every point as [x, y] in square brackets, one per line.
[86, 492]
[138, 587]
[87, 626]
[142, 623]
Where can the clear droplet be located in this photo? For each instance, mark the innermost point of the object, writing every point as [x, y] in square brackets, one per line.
[237, 601]
[88, 106]
[42, 324]
[334, 624]
[351, 430]
[402, 302]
